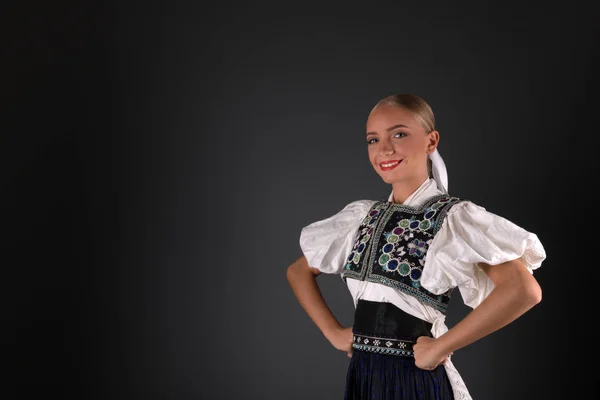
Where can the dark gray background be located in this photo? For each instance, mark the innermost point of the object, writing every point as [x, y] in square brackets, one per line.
[159, 160]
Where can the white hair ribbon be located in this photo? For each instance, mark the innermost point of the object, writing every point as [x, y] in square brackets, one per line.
[438, 170]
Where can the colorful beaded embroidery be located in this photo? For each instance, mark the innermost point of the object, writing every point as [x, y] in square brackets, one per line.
[392, 243]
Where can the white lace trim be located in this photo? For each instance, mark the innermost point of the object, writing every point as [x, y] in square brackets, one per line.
[458, 385]
[533, 254]
[459, 388]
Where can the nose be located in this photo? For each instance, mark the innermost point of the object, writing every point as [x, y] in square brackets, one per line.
[386, 148]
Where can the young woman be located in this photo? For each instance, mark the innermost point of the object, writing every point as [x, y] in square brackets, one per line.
[403, 257]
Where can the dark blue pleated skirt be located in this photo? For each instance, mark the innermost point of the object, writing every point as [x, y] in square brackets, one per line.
[387, 377]
[376, 376]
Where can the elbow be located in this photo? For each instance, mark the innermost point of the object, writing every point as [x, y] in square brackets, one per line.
[531, 292]
[300, 269]
[290, 272]
[524, 290]
[534, 293]
[293, 271]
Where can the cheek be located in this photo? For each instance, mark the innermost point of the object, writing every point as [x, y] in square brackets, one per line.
[413, 147]
[371, 153]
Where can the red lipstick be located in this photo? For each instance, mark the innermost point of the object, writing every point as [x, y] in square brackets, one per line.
[389, 167]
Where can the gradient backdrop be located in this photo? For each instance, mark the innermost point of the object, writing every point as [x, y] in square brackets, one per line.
[159, 160]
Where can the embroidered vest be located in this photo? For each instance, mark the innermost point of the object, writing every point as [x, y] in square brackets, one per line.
[392, 243]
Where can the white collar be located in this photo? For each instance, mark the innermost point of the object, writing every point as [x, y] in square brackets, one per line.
[427, 189]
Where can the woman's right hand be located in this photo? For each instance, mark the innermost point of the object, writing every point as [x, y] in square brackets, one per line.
[342, 340]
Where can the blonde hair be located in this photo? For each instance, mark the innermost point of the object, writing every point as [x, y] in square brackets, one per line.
[415, 104]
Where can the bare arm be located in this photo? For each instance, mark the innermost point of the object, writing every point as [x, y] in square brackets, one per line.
[302, 279]
[515, 292]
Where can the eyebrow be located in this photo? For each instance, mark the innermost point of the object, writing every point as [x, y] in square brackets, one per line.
[391, 128]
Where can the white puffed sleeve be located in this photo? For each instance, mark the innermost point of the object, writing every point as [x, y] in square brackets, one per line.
[470, 234]
[327, 243]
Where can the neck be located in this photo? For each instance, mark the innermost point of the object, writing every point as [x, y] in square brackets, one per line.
[403, 189]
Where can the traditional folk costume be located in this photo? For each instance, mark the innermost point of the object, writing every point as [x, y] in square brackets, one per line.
[401, 263]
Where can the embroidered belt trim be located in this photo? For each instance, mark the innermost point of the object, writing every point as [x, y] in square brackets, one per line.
[374, 344]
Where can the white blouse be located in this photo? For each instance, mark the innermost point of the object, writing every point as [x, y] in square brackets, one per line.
[469, 234]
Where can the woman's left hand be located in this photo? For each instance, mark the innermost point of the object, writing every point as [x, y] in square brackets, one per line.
[427, 354]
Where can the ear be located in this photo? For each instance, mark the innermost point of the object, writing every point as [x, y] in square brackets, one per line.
[433, 139]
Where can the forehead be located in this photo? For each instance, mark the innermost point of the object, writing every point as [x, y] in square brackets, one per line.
[389, 115]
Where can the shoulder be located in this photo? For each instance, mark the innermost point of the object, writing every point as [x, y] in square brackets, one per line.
[350, 213]
[357, 208]
[459, 205]
[327, 242]
[443, 205]
[466, 217]
[361, 204]
[478, 228]
[468, 212]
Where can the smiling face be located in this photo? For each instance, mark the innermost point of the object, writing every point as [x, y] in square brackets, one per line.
[399, 145]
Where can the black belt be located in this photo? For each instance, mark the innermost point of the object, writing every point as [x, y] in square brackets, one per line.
[384, 328]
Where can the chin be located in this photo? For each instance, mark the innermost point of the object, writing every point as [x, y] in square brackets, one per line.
[388, 179]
